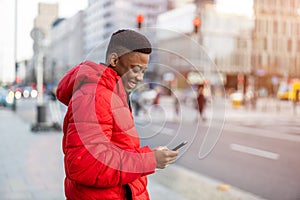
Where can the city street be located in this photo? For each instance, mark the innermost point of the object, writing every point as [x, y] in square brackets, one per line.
[256, 151]
[264, 165]
[220, 77]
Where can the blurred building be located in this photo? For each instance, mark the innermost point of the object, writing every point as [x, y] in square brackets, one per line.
[65, 49]
[276, 41]
[177, 49]
[218, 52]
[47, 14]
[21, 72]
[85, 35]
[8, 42]
[179, 19]
[226, 36]
[237, 47]
[256, 50]
[173, 4]
[103, 17]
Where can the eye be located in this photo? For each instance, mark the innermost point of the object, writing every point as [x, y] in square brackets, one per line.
[136, 69]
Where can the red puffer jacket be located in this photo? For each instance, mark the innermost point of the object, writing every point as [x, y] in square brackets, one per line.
[101, 145]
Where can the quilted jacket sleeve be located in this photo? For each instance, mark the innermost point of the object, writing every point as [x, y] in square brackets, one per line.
[91, 158]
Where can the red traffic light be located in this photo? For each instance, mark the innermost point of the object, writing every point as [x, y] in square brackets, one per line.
[197, 21]
[140, 18]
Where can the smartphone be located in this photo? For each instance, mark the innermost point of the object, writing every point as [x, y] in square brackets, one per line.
[180, 145]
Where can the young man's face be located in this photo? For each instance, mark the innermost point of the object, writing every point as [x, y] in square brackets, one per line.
[131, 67]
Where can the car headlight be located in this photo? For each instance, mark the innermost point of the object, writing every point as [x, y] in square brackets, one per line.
[18, 95]
[33, 93]
[26, 94]
[10, 97]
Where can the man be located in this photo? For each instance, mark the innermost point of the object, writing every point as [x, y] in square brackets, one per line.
[103, 158]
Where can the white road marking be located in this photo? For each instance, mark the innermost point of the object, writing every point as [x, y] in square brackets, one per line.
[264, 133]
[254, 151]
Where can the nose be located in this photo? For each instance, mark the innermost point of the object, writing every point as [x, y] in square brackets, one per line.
[140, 77]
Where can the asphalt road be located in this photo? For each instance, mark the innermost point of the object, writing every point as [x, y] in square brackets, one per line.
[260, 160]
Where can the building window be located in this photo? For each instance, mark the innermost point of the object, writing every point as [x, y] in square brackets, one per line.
[298, 63]
[264, 59]
[283, 28]
[289, 45]
[264, 26]
[265, 43]
[298, 45]
[241, 44]
[298, 28]
[275, 45]
[275, 27]
[258, 25]
[289, 28]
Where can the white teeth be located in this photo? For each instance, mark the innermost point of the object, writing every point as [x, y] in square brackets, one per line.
[132, 84]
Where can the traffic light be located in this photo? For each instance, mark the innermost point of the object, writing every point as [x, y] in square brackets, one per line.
[197, 23]
[139, 20]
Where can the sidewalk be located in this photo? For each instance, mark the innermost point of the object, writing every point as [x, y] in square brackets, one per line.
[31, 163]
[178, 183]
[32, 168]
[222, 110]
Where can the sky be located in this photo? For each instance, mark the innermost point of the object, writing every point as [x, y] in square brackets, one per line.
[240, 7]
[27, 11]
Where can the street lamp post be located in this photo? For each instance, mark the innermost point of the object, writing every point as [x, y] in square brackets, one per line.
[38, 47]
[14, 105]
[38, 37]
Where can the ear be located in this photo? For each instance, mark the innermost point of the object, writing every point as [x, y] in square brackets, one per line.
[113, 59]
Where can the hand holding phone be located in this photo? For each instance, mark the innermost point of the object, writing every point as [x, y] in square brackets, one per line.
[164, 156]
[179, 146]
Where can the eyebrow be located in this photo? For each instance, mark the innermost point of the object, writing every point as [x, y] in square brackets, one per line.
[140, 66]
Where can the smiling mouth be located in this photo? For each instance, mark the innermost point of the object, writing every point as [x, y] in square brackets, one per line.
[131, 84]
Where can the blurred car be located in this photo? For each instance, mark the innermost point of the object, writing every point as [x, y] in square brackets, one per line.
[34, 93]
[26, 92]
[18, 93]
[236, 98]
[29, 92]
[287, 91]
[6, 97]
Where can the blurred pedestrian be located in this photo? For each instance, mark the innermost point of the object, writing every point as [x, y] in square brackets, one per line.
[157, 91]
[176, 108]
[103, 157]
[52, 94]
[157, 97]
[201, 101]
[136, 106]
[54, 108]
